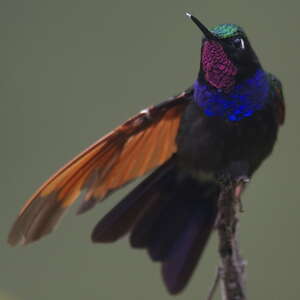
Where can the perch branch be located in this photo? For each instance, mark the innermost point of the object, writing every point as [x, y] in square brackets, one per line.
[232, 269]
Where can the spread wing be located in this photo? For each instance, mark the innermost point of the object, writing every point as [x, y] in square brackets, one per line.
[142, 143]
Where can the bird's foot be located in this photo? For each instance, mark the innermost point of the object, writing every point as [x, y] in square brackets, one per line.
[240, 183]
[227, 181]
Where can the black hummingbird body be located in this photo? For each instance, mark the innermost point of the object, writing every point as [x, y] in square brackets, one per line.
[227, 123]
[214, 139]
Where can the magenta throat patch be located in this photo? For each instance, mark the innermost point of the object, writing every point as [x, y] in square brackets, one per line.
[219, 70]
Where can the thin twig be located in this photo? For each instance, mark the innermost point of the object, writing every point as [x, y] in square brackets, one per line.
[215, 285]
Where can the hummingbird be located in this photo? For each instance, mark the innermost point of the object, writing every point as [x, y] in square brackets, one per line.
[225, 123]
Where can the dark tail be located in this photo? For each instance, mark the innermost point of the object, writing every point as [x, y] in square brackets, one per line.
[171, 215]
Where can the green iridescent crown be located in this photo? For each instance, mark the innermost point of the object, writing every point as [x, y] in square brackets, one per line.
[224, 31]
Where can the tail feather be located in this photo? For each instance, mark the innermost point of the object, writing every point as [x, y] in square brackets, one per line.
[171, 215]
[142, 232]
[183, 258]
[167, 228]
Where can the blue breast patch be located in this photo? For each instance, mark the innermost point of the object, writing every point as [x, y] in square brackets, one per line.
[245, 98]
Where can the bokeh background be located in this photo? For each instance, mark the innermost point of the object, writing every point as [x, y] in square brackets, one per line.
[73, 70]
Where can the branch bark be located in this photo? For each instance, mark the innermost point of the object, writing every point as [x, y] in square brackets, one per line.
[232, 269]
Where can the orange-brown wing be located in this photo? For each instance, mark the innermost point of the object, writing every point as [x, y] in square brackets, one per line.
[142, 143]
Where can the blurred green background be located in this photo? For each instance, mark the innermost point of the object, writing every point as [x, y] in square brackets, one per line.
[70, 72]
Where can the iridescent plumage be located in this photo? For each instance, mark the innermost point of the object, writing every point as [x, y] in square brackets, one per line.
[224, 31]
[242, 101]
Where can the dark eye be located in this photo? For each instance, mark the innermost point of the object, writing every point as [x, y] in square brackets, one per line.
[239, 43]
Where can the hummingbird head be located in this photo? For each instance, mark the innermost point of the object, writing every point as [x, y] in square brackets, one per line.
[226, 56]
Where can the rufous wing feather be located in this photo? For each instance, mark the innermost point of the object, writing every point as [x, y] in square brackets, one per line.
[142, 143]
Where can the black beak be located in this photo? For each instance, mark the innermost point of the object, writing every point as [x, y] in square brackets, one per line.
[205, 31]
